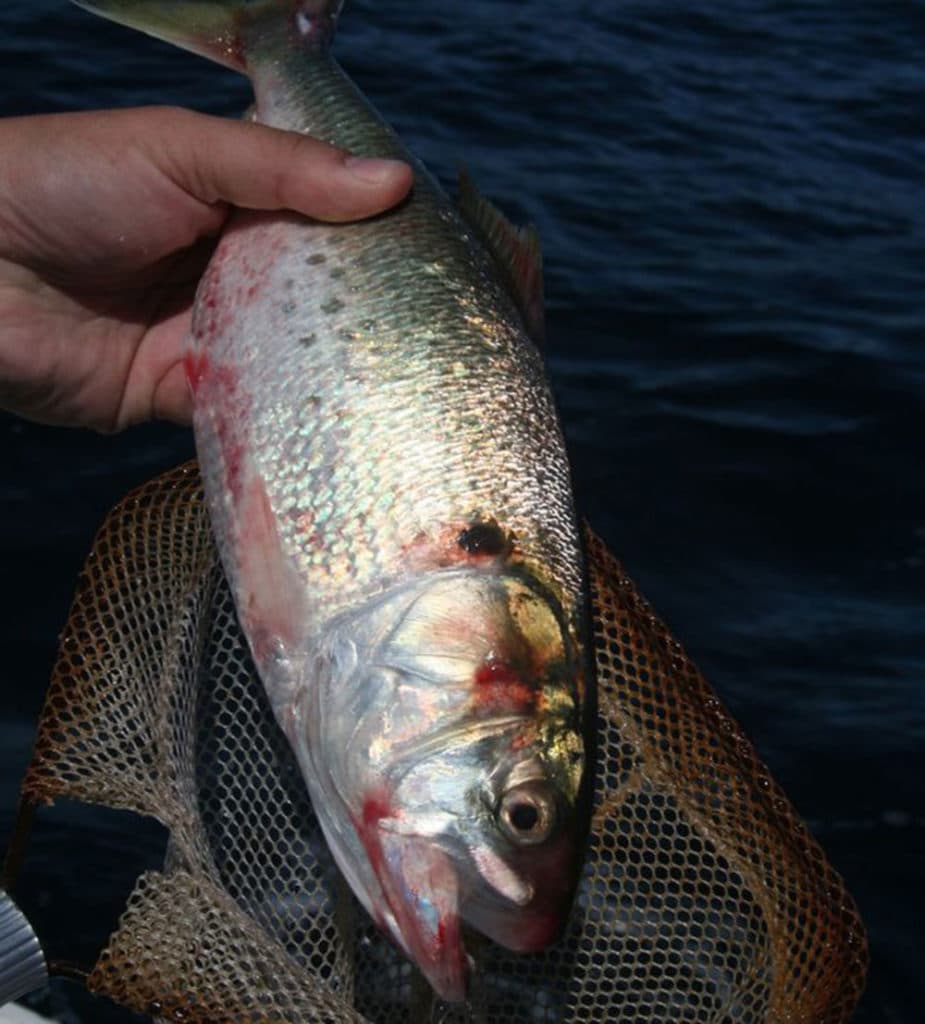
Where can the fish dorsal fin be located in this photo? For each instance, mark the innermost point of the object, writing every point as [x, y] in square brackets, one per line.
[516, 250]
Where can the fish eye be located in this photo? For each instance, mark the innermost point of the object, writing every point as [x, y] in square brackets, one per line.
[527, 814]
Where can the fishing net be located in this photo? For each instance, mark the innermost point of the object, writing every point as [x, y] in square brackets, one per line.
[704, 900]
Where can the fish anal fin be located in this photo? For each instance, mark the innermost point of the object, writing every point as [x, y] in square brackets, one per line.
[516, 250]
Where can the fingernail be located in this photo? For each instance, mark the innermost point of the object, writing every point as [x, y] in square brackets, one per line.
[372, 171]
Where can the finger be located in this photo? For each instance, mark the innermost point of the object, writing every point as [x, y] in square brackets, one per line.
[257, 167]
[172, 399]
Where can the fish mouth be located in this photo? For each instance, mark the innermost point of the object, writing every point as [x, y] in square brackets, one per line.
[523, 907]
[423, 905]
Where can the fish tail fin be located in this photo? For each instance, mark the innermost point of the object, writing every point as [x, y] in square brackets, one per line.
[222, 29]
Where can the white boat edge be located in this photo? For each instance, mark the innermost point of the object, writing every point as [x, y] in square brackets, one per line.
[14, 1014]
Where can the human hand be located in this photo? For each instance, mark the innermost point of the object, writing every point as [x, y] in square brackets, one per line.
[107, 220]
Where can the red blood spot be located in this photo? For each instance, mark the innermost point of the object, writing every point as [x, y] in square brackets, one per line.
[232, 452]
[493, 673]
[196, 367]
[500, 687]
[400, 881]
[375, 808]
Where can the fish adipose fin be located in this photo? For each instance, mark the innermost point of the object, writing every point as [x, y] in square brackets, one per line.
[516, 251]
[219, 29]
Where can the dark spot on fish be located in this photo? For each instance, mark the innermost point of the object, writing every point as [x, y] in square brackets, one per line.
[289, 308]
[316, 258]
[289, 283]
[333, 305]
[484, 539]
[337, 272]
[307, 340]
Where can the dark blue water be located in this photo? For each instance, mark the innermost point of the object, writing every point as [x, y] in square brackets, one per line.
[730, 196]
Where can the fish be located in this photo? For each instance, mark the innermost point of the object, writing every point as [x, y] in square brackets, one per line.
[391, 499]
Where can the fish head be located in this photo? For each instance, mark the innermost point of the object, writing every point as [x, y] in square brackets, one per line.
[446, 759]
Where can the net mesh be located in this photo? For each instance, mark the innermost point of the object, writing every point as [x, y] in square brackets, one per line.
[704, 899]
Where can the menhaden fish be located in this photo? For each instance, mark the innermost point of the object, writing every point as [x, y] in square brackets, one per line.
[390, 495]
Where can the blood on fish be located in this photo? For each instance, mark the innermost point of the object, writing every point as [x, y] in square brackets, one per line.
[217, 388]
[500, 687]
[449, 934]
[211, 317]
[376, 808]
[196, 366]
[305, 523]
[232, 452]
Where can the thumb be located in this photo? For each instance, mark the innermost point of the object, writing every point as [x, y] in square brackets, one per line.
[261, 168]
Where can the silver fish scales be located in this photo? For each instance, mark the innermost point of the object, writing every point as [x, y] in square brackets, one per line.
[390, 494]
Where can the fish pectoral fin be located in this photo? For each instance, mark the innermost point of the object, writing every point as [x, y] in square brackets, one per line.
[516, 251]
[271, 599]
